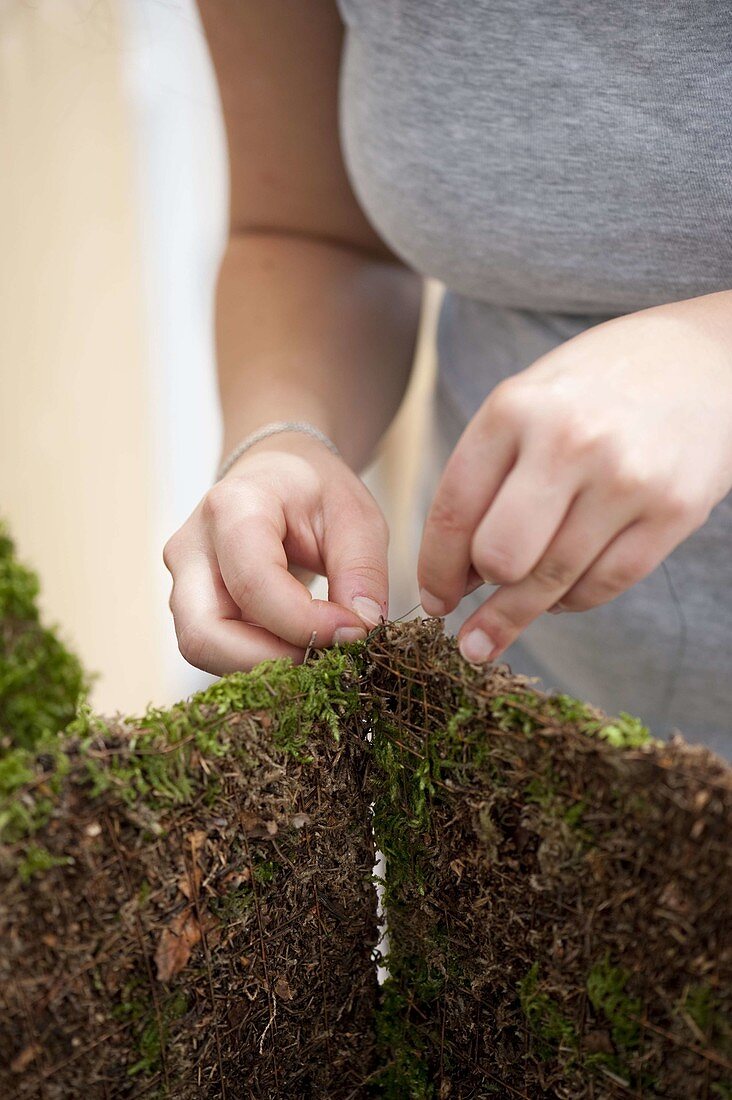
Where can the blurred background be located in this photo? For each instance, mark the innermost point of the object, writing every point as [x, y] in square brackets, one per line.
[113, 200]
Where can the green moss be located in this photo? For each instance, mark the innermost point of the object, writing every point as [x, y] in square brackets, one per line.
[159, 761]
[151, 1024]
[527, 711]
[606, 989]
[409, 783]
[41, 681]
[542, 791]
[37, 860]
[232, 906]
[516, 711]
[701, 1005]
[625, 732]
[406, 1073]
[20, 815]
[566, 709]
[265, 871]
[547, 1022]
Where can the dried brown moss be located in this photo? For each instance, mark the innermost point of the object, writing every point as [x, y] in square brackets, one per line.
[187, 907]
[194, 914]
[560, 908]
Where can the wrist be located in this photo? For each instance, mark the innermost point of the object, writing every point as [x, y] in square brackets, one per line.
[284, 437]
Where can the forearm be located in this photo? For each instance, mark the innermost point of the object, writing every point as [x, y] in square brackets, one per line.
[311, 330]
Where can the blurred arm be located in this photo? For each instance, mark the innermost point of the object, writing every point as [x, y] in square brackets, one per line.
[316, 319]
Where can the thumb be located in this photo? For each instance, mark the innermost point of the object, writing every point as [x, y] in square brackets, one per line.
[355, 559]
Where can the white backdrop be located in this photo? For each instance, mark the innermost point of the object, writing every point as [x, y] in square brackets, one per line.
[182, 191]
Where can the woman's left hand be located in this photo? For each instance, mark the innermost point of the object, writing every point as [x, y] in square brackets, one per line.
[578, 476]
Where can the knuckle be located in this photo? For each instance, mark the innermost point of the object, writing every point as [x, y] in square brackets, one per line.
[496, 565]
[573, 436]
[217, 502]
[627, 480]
[678, 505]
[194, 645]
[446, 519]
[171, 551]
[374, 570]
[244, 587]
[621, 575]
[501, 626]
[553, 573]
[510, 401]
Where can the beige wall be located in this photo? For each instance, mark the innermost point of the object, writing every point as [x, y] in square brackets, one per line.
[74, 406]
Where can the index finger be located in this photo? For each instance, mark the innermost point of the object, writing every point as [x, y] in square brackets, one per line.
[476, 469]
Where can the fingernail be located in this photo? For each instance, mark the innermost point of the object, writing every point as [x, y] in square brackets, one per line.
[476, 647]
[349, 634]
[431, 604]
[556, 610]
[367, 609]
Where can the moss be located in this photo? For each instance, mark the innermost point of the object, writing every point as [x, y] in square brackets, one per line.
[542, 791]
[19, 815]
[701, 1005]
[151, 1024]
[232, 906]
[409, 781]
[544, 1016]
[158, 761]
[41, 681]
[25, 809]
[37, 860]
[606, 989]
[406, 1073]
[625, 732]
[467, 777]
[516, 711]
[265, 871]
[528, 711]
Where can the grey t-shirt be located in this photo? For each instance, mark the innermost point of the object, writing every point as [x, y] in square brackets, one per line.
[555, 164]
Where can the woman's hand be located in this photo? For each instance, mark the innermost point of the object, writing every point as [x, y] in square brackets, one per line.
[577, 477]
[288, 505]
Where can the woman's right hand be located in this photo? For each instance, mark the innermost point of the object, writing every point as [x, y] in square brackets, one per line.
[287, 508]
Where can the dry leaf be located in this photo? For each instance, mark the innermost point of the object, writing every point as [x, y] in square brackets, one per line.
[237, 878]
[176, 943]
[256, 827]
[282, 989]
[189, 882]
[196, 841]
[301, 820]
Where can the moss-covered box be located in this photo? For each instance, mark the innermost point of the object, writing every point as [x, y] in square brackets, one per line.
[187, 905]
